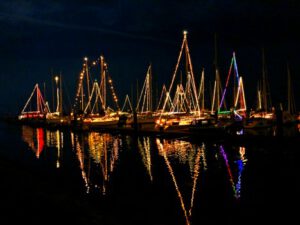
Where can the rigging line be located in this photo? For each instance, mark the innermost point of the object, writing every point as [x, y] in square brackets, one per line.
[201, 85]
[142, 94]
[90, 98]
[192, 73]
[214, 96]
[240, 92]
[195, 178]
[176, 68]
[129, 103]
[161, 96]
[227, 81]
[115, 98]
[235, 67]
[168, 164]
[32, 93]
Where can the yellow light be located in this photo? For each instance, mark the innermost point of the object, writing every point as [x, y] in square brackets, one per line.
[185, 32]
[85, 58]
[56, 78]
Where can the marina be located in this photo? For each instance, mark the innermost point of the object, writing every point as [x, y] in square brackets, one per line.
[181, 109]
[149, 112]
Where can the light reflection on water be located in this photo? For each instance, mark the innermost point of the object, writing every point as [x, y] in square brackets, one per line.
[145, 151]
[96, 151]
[99, 154]
[186, 153]
[239, 164]
[34, 138]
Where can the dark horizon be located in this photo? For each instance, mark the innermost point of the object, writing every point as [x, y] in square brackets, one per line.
[38, 38]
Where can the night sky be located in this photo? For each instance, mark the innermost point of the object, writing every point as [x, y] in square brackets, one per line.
[39, 38]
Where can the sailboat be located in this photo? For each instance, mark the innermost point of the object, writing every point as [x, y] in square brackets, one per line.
[264, 115]
[93, 111]
[217, 86]
[238, 108]
[232, 119]
[145, 117]
[184, 104]
[36, 108]
[56, 118]
[290, 114]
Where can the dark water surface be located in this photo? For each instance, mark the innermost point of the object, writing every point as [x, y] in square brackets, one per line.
[52, 177]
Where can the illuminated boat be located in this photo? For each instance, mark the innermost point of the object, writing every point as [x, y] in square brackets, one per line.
[260, 120]
[207, 127]
[93, 111]
[290, 116]
[106, 121]
[34, 111]
[232, 120]
[179, 104]
[264, 115]
[145, 117]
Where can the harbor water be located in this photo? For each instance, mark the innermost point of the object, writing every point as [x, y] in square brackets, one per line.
[60, 176]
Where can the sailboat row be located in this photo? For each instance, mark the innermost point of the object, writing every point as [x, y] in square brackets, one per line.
[181, 106]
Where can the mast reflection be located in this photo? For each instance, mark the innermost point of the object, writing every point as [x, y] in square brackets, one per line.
[55, 139]
[144, 149]
[97, 154]
[34, 137]
[240, 164]
[187, 153]
[78, 147]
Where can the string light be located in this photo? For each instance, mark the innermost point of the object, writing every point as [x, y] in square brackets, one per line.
[83, 73]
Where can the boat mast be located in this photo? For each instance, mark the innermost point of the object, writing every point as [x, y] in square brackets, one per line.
[201, 91]
[191, 99]
[60, 96]
[266, 95]
[150, 89]
[145, 94]
[87, 76]
[259, 100]
[291, 99]
[217, 78]
[264, 87]
[217, 83]
[103, 80]
[79, 104]
[56, 78]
